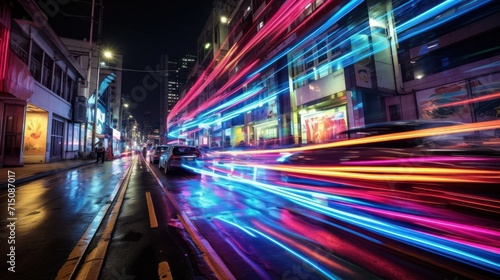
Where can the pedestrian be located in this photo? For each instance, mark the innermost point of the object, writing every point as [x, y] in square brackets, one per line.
[100, 152]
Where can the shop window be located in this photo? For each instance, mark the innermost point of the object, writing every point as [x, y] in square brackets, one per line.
[70, 139]
[57, 139]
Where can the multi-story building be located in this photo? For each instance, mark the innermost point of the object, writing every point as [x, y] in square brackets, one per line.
[39, 86]
[108, 72]
[174, 80]
[304, 71]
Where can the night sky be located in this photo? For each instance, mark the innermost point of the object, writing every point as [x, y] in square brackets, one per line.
[141, 31]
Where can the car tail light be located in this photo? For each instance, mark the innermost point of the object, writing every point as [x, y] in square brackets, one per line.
[173, 157]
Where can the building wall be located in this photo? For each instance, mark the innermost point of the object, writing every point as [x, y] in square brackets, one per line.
[387, 60]
[37, 113]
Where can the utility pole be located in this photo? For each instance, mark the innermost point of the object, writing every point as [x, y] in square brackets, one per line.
[89, 71]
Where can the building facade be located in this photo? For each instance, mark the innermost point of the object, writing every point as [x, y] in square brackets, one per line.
[174, 81]
[107, 71]
[299, 72]
[39, 90]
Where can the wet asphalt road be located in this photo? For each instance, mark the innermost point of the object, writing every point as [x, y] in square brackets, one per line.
[54, 212]
[256, 234]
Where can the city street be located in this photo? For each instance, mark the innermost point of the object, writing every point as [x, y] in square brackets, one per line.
[61, 219]
[125, 219]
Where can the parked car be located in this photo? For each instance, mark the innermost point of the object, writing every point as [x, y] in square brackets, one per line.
[156, 152]
[177, 156]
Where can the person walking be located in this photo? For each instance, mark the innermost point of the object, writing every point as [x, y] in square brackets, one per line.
[100, 152]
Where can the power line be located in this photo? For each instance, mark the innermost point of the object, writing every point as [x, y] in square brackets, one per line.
[136, 70]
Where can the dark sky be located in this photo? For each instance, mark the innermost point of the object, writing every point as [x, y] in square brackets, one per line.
[141, 31]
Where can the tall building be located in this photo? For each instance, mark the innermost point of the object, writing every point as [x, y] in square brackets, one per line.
[290, 74]
[147, 125]
[174, 79]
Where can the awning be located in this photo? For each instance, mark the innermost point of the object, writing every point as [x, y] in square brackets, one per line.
[18, 79]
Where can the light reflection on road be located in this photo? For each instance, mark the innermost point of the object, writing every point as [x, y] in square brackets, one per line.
[395, 219]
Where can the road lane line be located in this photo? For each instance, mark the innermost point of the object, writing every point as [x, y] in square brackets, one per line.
[92, 265]
[69, 268]
[153, 222]
[209, 254]
[164, 271]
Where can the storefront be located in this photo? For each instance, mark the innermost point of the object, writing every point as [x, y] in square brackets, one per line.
[116, 143]
[35, 135]
[474, 100]
[266, 133]
[323, 109]
[323, 126]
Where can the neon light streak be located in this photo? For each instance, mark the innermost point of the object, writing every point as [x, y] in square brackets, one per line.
[460, 252]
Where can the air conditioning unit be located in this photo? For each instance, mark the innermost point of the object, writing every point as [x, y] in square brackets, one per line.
[80, 109]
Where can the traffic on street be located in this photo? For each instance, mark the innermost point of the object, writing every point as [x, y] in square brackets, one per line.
[250, 139]
[239, 217]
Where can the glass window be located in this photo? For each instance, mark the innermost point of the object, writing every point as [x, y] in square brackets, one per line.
[321, 51]
[19, 44]
[69, 146]
[57, 139]
[56, 86]
[36, 62]
[309, 59]
[48, 65]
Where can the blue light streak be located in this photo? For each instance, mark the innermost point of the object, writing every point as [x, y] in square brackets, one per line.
[447, 248]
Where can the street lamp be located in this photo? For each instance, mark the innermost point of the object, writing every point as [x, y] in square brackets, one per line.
[122, 125]
[100, 64]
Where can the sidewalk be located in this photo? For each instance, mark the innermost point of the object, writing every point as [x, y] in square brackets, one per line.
[33, 171]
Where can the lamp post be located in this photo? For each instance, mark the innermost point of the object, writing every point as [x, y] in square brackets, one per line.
[122, 126]
[100, 63]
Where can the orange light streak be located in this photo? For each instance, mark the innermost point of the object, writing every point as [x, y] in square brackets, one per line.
[460, 128]
[477, 99]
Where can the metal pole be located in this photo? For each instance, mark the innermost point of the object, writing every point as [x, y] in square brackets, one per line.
[94, 127]
[89, 70]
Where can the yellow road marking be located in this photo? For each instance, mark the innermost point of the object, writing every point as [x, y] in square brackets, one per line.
[151, 210]
[69, 269]
[93, 263]
[164, 271]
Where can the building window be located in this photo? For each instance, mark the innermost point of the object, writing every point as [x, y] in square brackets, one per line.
[36, 62]
[321, 51]
[71, 137]
[48, 65]
[395, 112]
[57, 139]
[56, 86]
[309, 59]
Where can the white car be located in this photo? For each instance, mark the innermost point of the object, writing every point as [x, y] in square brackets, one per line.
[177, 156]
[156, 152]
